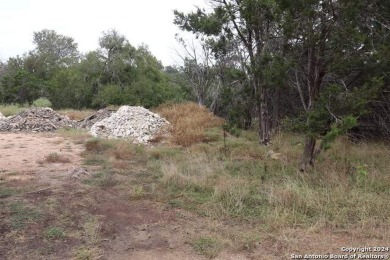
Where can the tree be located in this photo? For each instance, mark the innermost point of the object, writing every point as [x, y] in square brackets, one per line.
[254, 23]
[19, 85]
[327, 67]
[68, 89]
[52, 52]
[117, 55]
[200, 72]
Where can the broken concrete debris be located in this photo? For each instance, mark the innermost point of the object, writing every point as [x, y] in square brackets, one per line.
[36, 120]
[101, 114]
[136, 123]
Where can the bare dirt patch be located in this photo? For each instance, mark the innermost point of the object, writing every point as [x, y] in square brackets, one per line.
[24, 156]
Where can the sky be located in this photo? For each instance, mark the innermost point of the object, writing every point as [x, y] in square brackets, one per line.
[141, 21]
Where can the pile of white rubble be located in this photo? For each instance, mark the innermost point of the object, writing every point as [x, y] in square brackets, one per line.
[136, 123]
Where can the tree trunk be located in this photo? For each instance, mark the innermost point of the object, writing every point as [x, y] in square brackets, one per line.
[275, 111]
[308, 153]
[264, 122]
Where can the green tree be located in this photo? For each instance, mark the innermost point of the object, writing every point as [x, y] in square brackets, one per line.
[254, 25]
[327, 67]
[18, 85]
[53, 51]
[68, 89]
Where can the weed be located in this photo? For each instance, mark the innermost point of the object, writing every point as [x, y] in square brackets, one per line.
[53, 233]
[88, 253]
[91, 231]
[56, 158]
[138, 192]
[207, 246]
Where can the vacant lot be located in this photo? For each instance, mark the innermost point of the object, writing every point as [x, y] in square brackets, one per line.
[67, 196]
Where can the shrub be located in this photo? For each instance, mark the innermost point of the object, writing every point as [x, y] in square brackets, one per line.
[42, 102]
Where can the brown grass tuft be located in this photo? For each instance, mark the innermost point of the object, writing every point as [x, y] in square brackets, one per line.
[189, 121]
[124, 151]
[56, 158]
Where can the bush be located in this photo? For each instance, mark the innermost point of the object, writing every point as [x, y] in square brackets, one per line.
[42, 102]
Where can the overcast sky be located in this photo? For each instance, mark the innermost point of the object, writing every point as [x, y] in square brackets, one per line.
[141, 21]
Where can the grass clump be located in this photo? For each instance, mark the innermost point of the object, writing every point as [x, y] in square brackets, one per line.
[56, 158]
[54, 233]
[207, 246]
[189, 122]
[87, 253]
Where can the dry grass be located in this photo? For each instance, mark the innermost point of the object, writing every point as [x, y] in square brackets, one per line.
[189, 122]
[76, 114]
[56, 158]
[348, 188]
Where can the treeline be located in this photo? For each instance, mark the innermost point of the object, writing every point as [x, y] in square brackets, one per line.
[114, 74]
[320, 67]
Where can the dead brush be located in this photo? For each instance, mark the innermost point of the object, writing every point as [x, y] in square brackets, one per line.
[189, 122]
[55, 158]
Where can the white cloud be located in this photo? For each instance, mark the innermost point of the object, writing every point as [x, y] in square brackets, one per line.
[141, 21]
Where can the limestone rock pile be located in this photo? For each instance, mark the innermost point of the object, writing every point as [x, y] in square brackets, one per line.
[136, 123]
[98, 116]
[36, 120]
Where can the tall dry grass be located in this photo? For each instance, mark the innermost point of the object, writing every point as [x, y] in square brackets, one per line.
[189, 122]
[348, 188]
